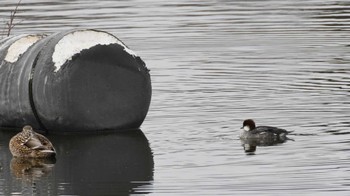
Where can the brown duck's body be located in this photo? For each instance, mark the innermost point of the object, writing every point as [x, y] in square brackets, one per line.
[31, 144]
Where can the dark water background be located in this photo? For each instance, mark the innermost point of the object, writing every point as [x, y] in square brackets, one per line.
[213, 64]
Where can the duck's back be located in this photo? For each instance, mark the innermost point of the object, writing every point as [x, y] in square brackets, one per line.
[268, 129]
[37, 146]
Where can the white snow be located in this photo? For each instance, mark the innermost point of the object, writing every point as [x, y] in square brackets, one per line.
[77, 41]
[20, 46]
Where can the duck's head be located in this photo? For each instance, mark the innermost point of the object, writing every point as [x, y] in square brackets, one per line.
[248, 125]
[28, 129]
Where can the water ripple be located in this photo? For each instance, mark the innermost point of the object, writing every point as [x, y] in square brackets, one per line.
[214, 64]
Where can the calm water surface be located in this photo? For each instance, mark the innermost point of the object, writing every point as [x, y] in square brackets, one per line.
[213, 64]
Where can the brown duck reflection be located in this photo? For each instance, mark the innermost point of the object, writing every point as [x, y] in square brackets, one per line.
[30, 168]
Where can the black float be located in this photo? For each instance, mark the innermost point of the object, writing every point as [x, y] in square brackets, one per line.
[78, 80]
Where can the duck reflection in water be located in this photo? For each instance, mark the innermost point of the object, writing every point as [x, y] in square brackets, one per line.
[29, 169]
[250, 145]
[252, 136]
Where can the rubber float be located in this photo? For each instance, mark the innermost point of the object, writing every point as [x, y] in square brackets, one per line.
[77, 80]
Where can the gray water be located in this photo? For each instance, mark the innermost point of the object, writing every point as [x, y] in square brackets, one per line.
[213, 64]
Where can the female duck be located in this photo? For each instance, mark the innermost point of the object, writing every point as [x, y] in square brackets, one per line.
[31, 144]
[262, 132]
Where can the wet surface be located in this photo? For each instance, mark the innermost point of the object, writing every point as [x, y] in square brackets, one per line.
[213, 64]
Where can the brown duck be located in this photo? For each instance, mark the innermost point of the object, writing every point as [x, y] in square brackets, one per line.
[28, 143]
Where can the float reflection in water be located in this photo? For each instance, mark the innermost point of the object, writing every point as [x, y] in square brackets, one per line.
[93, 164]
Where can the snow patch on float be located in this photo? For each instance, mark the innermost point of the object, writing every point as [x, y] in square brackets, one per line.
[20, 46]
[77, 41]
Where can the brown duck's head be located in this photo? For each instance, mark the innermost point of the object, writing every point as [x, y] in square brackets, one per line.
[248, 125]
[28, 131]
[27, 128]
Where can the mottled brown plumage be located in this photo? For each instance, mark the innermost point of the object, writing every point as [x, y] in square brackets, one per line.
[28, 143]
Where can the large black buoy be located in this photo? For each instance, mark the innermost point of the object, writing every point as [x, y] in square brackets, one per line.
[78, 80]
